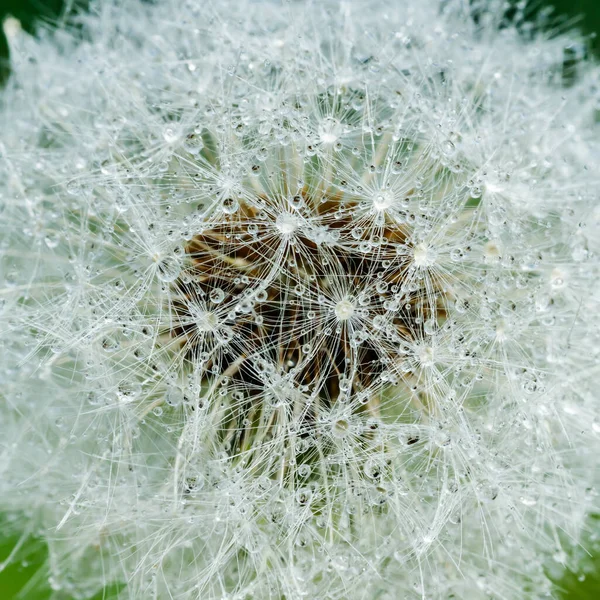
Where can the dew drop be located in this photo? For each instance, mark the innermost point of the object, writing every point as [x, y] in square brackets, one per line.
[170, 135]
[357, 232]
[528, 501]
[304, 496]
[430, 326]
[217, 295]
[230, 205]
[174, 397]
[329, 131]
[168, 269]
[128, 391]
[51, 240]
[296, 201]
[381, 287]
[448, 148]
[193, 144]
[341, 428]
[373, 468]
[304, 470]
[261, 295]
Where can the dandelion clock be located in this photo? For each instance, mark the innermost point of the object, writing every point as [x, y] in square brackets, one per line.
[300, 300]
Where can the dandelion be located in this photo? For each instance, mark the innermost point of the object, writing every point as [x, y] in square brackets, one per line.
[300, 300]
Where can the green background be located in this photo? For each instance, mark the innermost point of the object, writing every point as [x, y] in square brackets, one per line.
[24, 579]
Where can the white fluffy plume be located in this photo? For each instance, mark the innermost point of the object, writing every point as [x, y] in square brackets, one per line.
[300, 299]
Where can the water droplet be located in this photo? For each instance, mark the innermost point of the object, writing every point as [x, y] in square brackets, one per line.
[174, 397]
[304, 496]
[557, 278]
[217, 295]
[193, 144]
[456, 254]
[379, 322]
[476, 192]
[51, 240]
[245, 306]
[382, 287]
[304, 470]
[345, 384]
[448, 148]
[296, 201]
[341, 428]
[528, 501]
[168, 269]
[261, 295]
[110, 344]
[73, 188]
[430, 326]
[329, 131]
[373, 468]
[128, 391]
[262, 154]
[441, 439]
[170, 135]
[230, 205]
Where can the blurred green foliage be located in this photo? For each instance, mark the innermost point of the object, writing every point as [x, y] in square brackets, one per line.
[24, 578]
[30, 12]
[584, 14]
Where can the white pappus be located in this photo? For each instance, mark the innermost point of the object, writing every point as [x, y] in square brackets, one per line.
[300, 299]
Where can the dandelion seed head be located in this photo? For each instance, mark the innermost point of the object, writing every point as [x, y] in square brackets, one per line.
[300, 300]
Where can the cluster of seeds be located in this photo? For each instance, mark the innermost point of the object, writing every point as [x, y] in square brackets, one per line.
[304, 299]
